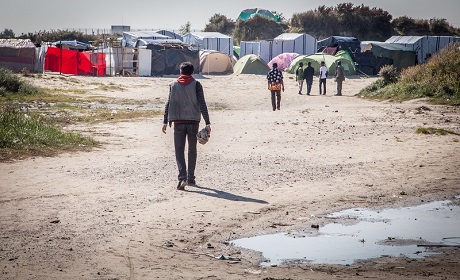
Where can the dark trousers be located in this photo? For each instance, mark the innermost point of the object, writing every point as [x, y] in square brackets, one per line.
[309, 84]
[322, 82]
[183, 133]
[339, 87]
[276, 99]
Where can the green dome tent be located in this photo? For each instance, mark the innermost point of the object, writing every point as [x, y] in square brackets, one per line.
[251, 64]
[330, 62]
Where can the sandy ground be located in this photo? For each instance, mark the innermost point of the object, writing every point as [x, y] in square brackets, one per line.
[114, 213]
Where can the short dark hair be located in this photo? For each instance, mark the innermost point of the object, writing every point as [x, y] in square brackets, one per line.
[300, 63]
[275, 65]
[186, 68]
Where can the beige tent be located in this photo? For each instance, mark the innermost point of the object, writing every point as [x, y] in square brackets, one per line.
[215, 63]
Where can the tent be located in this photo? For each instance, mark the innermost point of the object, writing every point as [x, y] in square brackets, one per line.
[337, 43]
[424, 46]
[210, 41]
[250, 13]
[330, 62]
[401, 57]
[215, 63]
[283, 60]
[17, 54]
[251, 64]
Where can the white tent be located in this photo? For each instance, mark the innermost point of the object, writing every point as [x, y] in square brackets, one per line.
[210, 41]
[300, 43]
[424, 46]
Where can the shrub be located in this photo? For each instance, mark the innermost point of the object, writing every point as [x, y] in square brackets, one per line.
[11, 83]
[389, 74]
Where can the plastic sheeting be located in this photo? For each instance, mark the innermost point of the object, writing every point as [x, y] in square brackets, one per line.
[17, 54]
[74, 62]
[166, 61]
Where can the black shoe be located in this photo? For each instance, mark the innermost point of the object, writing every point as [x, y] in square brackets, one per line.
[300, 93]
[191, 183]
[181, 185]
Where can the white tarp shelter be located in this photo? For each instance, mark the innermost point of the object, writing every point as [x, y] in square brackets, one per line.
[170, 34]
[210, 41]
[130, 38]
[300, 43]
[424, 46]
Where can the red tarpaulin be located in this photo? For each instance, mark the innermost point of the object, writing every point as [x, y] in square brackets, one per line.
[75, 62]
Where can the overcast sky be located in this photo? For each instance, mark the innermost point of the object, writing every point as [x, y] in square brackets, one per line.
[23, 16]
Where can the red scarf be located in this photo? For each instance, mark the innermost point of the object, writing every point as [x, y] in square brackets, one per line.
[185, 79]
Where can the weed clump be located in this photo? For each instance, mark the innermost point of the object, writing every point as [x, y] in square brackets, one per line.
[10, 83]
[27, 135]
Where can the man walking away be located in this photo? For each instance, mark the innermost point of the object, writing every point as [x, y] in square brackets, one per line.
[275, 84]
[322, 77]
[339, 78]
[308, 74]
[299, 77]
[185, 106]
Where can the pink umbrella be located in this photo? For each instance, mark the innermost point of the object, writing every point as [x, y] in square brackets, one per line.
[283, 60]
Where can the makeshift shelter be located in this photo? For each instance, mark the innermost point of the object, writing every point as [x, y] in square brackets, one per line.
[251, 64]
[210, 41]
[330, 62]
[75, 62]
[215, 63]
[300, 43]
[250, 13]
[73, 45]
[17, 54]
[283, 60]
[334, 44]
[369, 64]
[145, 42]
[401, 57]
[165, 58]
[424, 46]
[170, 34]
[130, 38]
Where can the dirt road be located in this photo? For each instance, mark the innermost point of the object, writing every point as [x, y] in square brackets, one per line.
[114, 213]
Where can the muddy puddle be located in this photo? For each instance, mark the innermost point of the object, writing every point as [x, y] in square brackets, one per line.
[361, 234]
